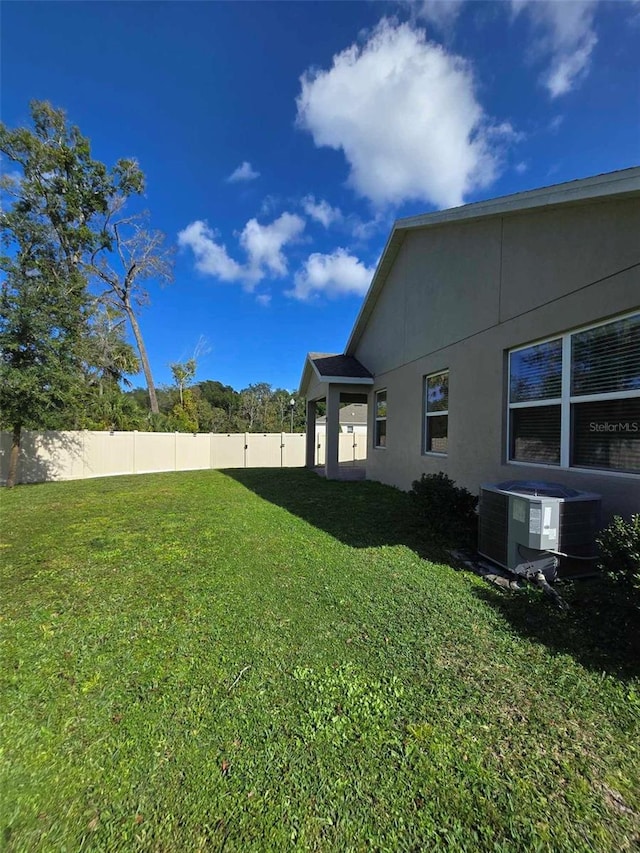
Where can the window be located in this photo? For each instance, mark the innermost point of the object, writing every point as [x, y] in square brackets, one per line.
[535, 390]
[349, 428]
[381, 419]
[436, 397]
[575, 401]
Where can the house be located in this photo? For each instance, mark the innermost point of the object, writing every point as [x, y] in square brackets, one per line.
[501, 340]
[352, 420]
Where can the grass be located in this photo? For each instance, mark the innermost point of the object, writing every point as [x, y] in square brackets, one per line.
[263, 660]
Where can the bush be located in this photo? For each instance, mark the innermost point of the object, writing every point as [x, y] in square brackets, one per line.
[619, 547]
[446, 512]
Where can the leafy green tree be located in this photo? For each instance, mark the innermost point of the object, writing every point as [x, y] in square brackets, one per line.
[54, 223]
[254, 406]
[220, 396]
[184, 415]
[109, 358]
[113, 410]
[183, 374]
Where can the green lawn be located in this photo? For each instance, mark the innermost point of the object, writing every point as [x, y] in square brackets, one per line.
[263, 660]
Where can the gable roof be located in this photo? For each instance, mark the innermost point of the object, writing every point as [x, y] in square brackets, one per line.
[608, 186]
[334, 367]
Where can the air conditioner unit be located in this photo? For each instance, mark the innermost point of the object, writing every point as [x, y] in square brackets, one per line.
[522, 521]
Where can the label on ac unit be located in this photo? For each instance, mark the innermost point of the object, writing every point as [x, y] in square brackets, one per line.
[519, 510]
[535, 519]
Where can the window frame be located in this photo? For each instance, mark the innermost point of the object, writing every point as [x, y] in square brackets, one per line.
[376, 419]
[427, 414]
[565, 401]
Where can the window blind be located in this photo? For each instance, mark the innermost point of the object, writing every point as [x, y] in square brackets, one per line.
[535, 434]
[536, 372]
[607, 358]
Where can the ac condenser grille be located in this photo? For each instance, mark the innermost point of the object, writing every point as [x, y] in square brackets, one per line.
[492, 529]
[578, 526]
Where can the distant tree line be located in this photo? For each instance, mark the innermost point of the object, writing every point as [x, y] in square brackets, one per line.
[210, 406]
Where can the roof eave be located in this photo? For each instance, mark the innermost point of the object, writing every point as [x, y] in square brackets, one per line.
[347, 380]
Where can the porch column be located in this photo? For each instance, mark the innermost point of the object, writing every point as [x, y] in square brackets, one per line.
[310, 457]
[332, 467]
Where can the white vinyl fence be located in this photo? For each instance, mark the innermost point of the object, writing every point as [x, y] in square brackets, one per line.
[80, 455]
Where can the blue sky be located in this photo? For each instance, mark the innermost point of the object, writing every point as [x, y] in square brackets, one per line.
[281, 140]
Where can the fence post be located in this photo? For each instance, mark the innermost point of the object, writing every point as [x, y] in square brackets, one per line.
[246, 447]
[210, 451]
[135, 439]
[175, 451]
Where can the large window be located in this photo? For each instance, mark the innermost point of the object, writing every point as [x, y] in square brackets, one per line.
[574, 401]
[381, 419]
[436, 400]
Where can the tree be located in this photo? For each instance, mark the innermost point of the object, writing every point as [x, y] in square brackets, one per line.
[183, 374]
[109, 357]
[56, 221]
[184, 415]
[139, 254]
[222, 397]
[254, 401]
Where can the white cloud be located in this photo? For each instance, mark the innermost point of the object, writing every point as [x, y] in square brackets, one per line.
[521, 167]
[244, 172]
[337, 274]
[441, 13]
[263, 245]
[404, 112]
[264, 299]
[555, 124]
[211, 257]
[565, 34]
[321, 211]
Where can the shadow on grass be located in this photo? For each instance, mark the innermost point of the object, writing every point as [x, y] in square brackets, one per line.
[601, 631]
[361, 514]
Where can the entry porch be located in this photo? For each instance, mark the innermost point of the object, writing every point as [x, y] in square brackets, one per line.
[336, 380]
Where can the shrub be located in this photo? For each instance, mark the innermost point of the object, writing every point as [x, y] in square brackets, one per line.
[619, 547]
[446, 512]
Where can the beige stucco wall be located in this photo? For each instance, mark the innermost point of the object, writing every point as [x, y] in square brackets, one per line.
[458, 297]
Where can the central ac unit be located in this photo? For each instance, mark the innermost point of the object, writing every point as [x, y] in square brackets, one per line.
[523, 520]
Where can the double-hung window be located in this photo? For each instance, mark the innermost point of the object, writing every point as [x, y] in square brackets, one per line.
[436, 405]
[381, 418]
[574, 401]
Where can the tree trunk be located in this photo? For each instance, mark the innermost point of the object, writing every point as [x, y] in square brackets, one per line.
[153, 400]
[14, 456]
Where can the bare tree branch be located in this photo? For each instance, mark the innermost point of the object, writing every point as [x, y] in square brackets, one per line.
[142, 255]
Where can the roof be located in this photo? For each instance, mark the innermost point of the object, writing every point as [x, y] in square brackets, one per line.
[330, 367]
[334, 367]
[601, 187]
